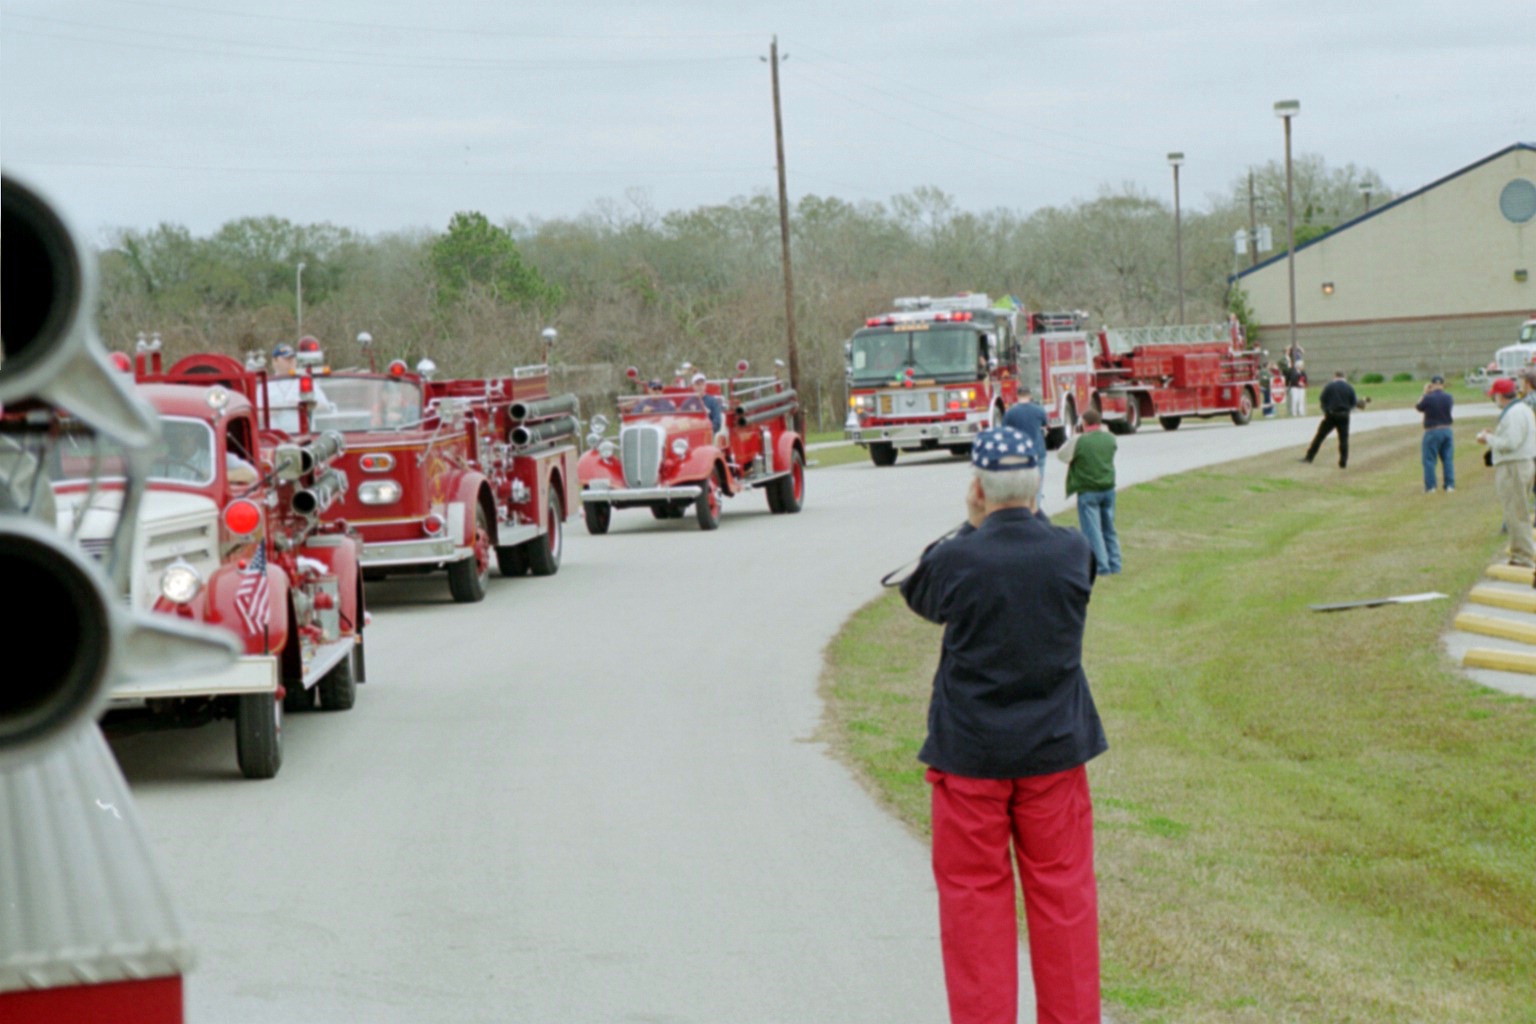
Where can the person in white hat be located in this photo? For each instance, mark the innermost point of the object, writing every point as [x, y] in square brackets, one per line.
[714, 407]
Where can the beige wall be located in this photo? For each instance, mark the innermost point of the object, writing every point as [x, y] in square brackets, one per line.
[1445, 253]
[1445, 345]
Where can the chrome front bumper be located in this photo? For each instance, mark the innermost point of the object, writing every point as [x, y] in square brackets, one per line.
[917, 433]
[600, 495]
[254, 673]
[429, 551]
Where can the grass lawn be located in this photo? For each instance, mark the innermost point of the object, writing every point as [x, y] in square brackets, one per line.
[1302, 816]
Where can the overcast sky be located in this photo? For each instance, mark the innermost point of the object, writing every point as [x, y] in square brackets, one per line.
[382, 114]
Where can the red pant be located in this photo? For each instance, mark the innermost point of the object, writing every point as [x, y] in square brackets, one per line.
[1050, 821]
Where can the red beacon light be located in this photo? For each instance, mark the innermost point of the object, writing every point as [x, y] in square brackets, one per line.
[121, 363]
[242, 517]
[309, 343]
[397, 368]
[306, 386]
[633, 373]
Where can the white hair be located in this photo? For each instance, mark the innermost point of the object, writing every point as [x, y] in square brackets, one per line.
[1008, 486]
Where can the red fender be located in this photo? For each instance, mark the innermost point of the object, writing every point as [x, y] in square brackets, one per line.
[342, 558]
[468, 488]
[224, 585]
[702, 462]
[785, 448]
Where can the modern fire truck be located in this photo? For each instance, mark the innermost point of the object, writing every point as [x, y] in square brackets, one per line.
[937, 371]
[228, 534]
[454, 474]
[932, 374]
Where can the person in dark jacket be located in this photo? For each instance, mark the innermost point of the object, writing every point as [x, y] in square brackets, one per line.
[1338, 401]
[1011, 727]
[1438, 445]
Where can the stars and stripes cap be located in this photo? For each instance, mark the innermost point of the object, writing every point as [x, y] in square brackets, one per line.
[1003, 448]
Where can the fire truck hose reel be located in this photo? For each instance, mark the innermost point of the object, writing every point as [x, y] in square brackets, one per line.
[525, 434]
[544, 408]
[750, 406]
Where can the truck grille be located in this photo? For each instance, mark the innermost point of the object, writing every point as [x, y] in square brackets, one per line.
[908, 402]
[640, 446]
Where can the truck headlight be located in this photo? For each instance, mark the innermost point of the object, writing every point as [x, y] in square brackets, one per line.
[605, 451]
[379, 492]
[680, 447]
[180, 582]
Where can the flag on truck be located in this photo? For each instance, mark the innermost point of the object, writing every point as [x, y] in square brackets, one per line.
[252, 597]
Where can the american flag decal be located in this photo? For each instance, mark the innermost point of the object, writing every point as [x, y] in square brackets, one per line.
[253, 596]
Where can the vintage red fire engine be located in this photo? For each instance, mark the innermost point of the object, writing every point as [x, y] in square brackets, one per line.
[931, 375]
[668, 456]
[453, 474]
[230, 534]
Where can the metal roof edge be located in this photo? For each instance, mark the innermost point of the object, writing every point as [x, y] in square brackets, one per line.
[1234, 278]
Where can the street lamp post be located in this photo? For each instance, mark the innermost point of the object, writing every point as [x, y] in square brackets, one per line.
[1285, 110]
[298, 297]
[1174, 160]
[1365, 194]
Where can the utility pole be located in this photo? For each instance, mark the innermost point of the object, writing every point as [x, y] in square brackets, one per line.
[1174, 160]
[789, 277]
[1253, 226]
[1285, 110]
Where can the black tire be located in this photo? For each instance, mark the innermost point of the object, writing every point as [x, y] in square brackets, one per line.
[1055, 437]
[598, 515]
[512, 561]
[338, 689]
[1170, 422]
[1243, 414]
[787, 494]
[259, 735]
[298, 698]
[707, 508]
[882, 453]
[1132, 421]
[544, 551]
[466, 577]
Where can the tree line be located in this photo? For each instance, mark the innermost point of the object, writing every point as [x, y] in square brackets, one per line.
[626, 284]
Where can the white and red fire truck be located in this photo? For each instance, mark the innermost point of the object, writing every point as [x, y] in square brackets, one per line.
[454, 474]
[931, 374]
[229, 534]
[936, 372]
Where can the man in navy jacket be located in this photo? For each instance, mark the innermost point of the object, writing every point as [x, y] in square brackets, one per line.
[1011, 726]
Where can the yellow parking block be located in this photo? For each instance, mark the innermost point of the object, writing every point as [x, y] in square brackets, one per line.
[1503, 661]
[1510, 573]
[1488, 625]
[1513, 599]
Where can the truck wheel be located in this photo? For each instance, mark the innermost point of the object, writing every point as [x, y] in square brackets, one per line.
[512, 561]
[299, 698]
[1243, 414]
[1132, 421]
[598, 515]
[1170, 422]
[259, 735]
[707, 507]
[338, 690]
[466, 577]
[787, 494]
[882, 453]
[544, 551]
[1055, 437]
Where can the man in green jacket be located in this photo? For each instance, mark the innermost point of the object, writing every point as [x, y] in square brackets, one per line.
[1090, 459]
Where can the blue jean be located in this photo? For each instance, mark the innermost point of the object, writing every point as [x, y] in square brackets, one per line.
[1096, 518]
[1438, 444]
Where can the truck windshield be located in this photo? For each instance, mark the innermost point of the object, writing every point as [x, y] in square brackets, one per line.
[370, 403]
[185, 455]
[1528, 333]
[878, 356]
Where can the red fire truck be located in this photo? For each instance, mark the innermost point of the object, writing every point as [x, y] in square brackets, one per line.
[668, 457]
[229, 534]
[1172, 373]
[932, 374]
[453, 474]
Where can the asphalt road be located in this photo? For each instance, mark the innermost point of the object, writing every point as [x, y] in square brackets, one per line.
[597, 796]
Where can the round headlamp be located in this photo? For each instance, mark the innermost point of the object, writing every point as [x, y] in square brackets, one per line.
[680, 447]
[180, 582]
[379, 492]
[606, 449]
